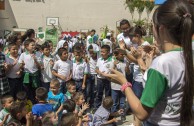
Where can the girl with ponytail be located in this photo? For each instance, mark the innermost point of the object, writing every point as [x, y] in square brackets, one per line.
[168, 94]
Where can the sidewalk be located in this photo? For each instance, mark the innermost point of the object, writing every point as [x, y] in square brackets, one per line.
[129, 120]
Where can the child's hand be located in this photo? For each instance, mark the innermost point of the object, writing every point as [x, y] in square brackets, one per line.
[83, 86]
[85, 118]
[68, 78]
[122, 44]
[29, 116]
[85, 106]
[18, 72]
[22, 64]
[51, 62]
[114, 120]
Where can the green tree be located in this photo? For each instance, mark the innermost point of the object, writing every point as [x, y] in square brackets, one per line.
[140, 5]
[131, 6]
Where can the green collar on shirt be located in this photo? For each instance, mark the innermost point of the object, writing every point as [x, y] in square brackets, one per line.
[28, 52]
[109, 59]
[176, 49]
[6, 110]
[68, 93]
[81, 60]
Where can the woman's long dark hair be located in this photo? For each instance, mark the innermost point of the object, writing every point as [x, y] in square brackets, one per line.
[28, 34]
[177, 17]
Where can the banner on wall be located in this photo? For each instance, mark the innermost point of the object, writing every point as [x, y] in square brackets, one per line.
[159, 1]
[51, 34]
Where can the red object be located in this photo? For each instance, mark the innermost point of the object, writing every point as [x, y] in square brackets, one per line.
[70, 33]
[124, 86]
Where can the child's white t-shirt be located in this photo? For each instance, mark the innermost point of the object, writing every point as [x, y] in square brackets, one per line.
[30, 65]
[92, 65]
[104, 65]
[121, 68]
[12, 72]
[79, 69]
[63, 68]
[46, 72]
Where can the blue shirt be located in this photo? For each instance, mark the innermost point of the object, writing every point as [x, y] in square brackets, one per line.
[40, 109]
[56, 100]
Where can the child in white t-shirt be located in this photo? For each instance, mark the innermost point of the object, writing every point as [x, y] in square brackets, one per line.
[62, 69]
[14, 71]
[47, 64]
[80, 69]
[30, 61]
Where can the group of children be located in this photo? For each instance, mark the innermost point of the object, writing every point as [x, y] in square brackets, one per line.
[61, 89]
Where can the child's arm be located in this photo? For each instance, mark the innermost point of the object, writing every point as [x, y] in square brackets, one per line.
[59, 109]
[84, 82]
[111, 121]
[29, 118]
[118, 113]
[4, 120]
[57, 75]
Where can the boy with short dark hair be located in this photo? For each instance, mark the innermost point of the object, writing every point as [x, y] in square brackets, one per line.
[5, 117]
[102, 114]
[71, 89]
[47, 64]
[104, 64]
[14, 72]
[80, 69]
[39, 109]
[18, 111]
[62, 69]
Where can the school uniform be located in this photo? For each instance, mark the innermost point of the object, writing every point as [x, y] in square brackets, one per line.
[46, 72]
[15, 80]
[118, 96]
[165, 79]
[79, 70]
[63, 68]
[102, 82]
[31, 78]
[91, 82]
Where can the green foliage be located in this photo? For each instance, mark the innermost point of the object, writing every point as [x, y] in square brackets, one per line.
[149, 39]
[139, 22]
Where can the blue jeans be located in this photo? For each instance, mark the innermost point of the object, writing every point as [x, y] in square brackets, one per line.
[15, 86]
[63, 88]
[146, 123]
[46, 85]
[90, 90]
[78, 84]
[118, 100]
[101, 85]
[137, 88]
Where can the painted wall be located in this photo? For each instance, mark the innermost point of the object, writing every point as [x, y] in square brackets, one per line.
[73, 15]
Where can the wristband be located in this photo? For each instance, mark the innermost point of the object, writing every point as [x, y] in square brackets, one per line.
[124, 86]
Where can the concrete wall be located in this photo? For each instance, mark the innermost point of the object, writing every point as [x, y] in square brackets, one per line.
[7, 19]
[73, 15]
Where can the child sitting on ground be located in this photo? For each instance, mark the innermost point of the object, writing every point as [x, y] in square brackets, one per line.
[39, 109]
[71, 89]
[18, 111]
[22, 96]
[55, 97]
[102, 114]
[49, 119]
[80, 101]
[5, 117]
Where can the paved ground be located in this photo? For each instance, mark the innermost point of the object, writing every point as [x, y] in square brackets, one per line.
[129, 120]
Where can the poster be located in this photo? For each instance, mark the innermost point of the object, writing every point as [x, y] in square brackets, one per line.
[51, 34]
